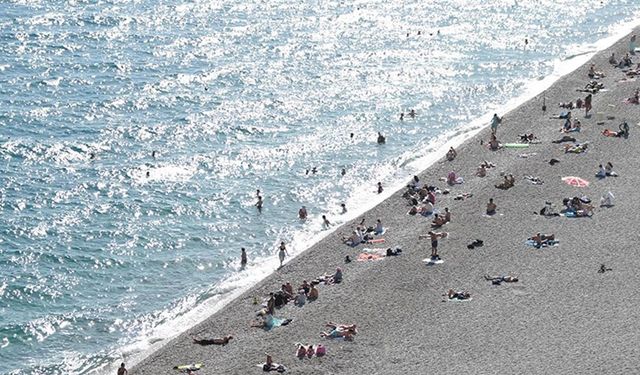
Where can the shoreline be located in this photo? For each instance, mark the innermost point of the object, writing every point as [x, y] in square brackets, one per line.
[293, 270]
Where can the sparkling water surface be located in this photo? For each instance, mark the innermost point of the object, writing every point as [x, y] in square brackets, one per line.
[104, 247]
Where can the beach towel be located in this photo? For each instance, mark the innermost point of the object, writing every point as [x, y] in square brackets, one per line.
[546, 244]
[432, 261]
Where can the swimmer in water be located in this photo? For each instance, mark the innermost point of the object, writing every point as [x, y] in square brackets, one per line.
[302, 213]
[381, 139]
[325, 221]
[412, 113]
[344, 171]
[154, 153]
[344, 208]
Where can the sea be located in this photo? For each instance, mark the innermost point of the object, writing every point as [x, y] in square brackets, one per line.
[134, 135]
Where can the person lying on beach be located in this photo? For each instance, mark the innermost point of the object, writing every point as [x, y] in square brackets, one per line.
[592, 87]
[497, 280]
[345, 331]
[214, 341]
[565, 138]
[459, 295]
[579, 207]
[567, 105]
[604, 269]
[491, 207]
[543, 239]
[527, 138]
[576, 148]
[624, 131]
[268, 321]
[269, 365]
[547, 210]
[394, 252]
[451, 154]
[562, 116]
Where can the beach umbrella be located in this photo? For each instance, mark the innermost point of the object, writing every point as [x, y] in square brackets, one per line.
[575, 181]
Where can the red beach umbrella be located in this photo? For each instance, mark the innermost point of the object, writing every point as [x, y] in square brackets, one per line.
[575, 181]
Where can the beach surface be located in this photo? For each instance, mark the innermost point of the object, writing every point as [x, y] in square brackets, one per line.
[563, 316]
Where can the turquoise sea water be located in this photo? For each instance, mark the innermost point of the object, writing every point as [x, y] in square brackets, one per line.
[105, 249]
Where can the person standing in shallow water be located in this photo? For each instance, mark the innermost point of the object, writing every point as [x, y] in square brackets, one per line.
[243, 258]
[259, 204]
[282, 252]
[495, 121]
[381, 139]
[380, 189]
[122, 370]
[302, 213]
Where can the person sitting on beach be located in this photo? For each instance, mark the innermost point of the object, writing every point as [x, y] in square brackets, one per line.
[214, 341]
[301, 352]
[300, 299]
[415, 184]
[497, 280]
[451, 178]
[601, 172]
[451, 154]
[337, 277]
[625, 62]
[431, 196]
[272, 366]
[356, 238]
[426, 208]
[567, 105]
[609, 170]
[459, 295]
[482, 171]
[543, 239]
[491, 207]
[593, 73]
[612, 59]
[379, 228]
[494, 145]
[438, 221]
[579, 103]
[305, 287]
[313, 293]
[507, 183]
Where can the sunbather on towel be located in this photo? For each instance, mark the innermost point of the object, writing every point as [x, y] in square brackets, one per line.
[272, 366]
[214, 341]
[497, 280]
[543, 239]
[459, 295]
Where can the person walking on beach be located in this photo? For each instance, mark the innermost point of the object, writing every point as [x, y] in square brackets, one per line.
[122, 370]
[282, 252]
[243, 258]
[380, 189]
[495, 121]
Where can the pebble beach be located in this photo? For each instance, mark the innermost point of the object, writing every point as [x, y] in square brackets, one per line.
[562, 316]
